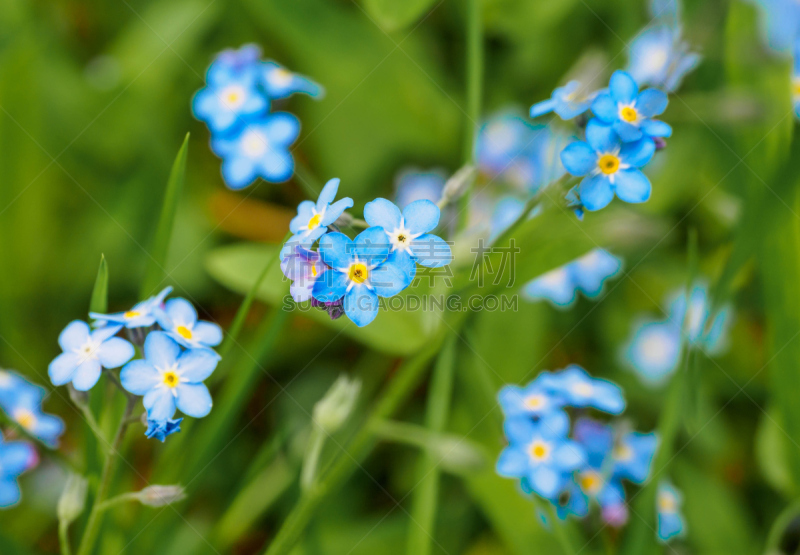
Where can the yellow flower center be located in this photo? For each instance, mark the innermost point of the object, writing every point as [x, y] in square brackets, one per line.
[25, 418]
[402, 238]
[628, 113]
[132, 314]
[358, 273]
[796, 87]
[608, 163]
[539, 450]
[233, 97]
[171, 379]
[281, 76]
[534, 402]
[184, 332]
[666, 502]
[622, 452]
[313, 223]
[314, 270]
[590, 482]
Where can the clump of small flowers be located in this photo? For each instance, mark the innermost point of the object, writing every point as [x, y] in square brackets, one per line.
[178, 357]
[236, 104]
[350, 275]
[572, 466]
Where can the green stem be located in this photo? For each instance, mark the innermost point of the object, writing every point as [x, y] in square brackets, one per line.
[780, 525]
[118, 500]
[63, 537]
[93, 526]
[315, 443]
[244, 308]
[423, 510]
[404, 382]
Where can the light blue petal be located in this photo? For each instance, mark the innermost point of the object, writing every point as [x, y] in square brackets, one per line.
[512, 463]
[160, 350]
[115, 352]
[519, 429]
[595, 192]
[9, 492]
[608, 397]
[305, 211]
[632, 186]
[276, 165]
[63, 367]
[328, 193]
[555, 286]
[394, 275]
[579, 158]
[361, 305]
[48, 429]
[638, 153]
[139, 377]
[102, 334]
[569, 456]
[86, 375]
[282, 128]
[194, 400]
[546, 481]
[421, 216]
[627, 132]
[554, 424]
[74, 336]
[16, 457]
[336, 250]
[383, 213]
[330, 286]
[195, 365]
[238, 171]
[542, 108]
[207, 333]
[181, 312]
[431, 251]
[601, 137]
[160, 404]
[656, 128]
[335, 210]
[622, 87]
[605, 108]
[652, 102]
[371, 246]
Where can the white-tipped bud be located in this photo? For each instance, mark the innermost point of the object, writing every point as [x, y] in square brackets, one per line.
[458, 455]
[73, 498]
[332, 410]
[457, 184]
[158, 496]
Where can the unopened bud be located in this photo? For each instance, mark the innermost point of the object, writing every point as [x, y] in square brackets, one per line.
[158, 496]
[458, 455]
[332, 410]
[73, 498]
[457, 184]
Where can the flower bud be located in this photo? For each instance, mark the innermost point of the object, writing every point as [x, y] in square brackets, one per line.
[457, 184]
[331, 411]
[458, 455]
[73, 498]
[158, 496]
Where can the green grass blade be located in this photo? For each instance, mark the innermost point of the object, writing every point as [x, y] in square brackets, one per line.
[155, 272]
[99, 302]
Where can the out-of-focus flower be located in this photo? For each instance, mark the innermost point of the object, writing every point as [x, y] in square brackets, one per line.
[580, 390]
[654, 350]
[179, 320]
[542, 457]
[360, 271]
[86, 353]
[568, 102]
[506, 211]
[73, 498]
[160, 429]
[408, 232]
[258, 149]
[169, 378]
[668, 507]
[26, 410]
[633, 455]
[629, 111]
[796, 78]
[781, 23]
[587, 274]
[231, 62]
[533, 400]
[143, 314]
[312, 219]
[335, 407]
[303, 267]
[15, 458]
[279, 82]
[229, 98]
[660, 58]
[609, 166]
[412, 184]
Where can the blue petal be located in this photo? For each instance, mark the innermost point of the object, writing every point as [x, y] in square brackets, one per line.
[335, 210]
[601, 137]
[195, 365]
[431, 251]
[328, 193]
[546, 481]
[139, 377]
[579, 158]
[115, 352]
[383, 213]
[63, 367]
[605, 108]
[361, 305]
[305, 211]
[160, 404]
[638, 153]
[207, 333]
[622, 87]
[16, 457]
[181, 312]
[238, 171]
[371, 246]
[555, 286]
[543, 107]
[48, 428]
[330, 286]
[74, 336]
[86, 375]
[512, 463]
[569, 456]
[394, 275]
[627, 131]
[160, 350]
[193, 400]
[9, 492]
[519, 429]
[656, 128]
[421, 216]
[595, 192]
[652, 102]
[632, 186]
[282, 128]
[336, 250]
[276, 165]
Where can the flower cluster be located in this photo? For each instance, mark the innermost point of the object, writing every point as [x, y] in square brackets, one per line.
[572, 471]
[178, 357]
[252, 140]
[350, 275]
[587, 274]
[654, 350]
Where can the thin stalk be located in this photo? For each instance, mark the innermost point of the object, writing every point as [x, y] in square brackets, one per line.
[90, 535]
[401, 386]
[311, 460]
[63, 537]
[426, 494]
[244, 308]
[780, 525]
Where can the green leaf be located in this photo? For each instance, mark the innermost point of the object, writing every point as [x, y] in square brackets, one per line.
[393, 15]
[772, 452]
[99, 302]
[396, 332]
[154, 275]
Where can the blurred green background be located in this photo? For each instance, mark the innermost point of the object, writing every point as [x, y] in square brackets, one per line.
[94, 103]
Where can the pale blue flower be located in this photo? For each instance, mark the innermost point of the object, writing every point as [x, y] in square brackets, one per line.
[668, 507]
[313, 219]
[229, 99]
[587, 274]
[143, 314]
[86, 353]
[413, 184]
[279, 82]
[26, 410]
[660, 58]
[781, 23]
[568, 102]
[630, 112]
[580, 390]
[16, 457]
[654, 351]
[633, 456]
[303, 267]
[179, 320]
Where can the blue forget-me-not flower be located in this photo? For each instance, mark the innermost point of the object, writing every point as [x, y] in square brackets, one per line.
[658, 57]
[781, 23]
[303, 267]
[413, 184]
[568, 102]
[170, 378]
[15, 458]
[587, 274]
[668, 509]
[142, 315]
[580, 390]
[610, 167]
[179, 320]
[26, 410]
[629, 111]
[313, 219]
[229, 98]
[360, 271]
[86, 352]
[160, 429]
[279, 82]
